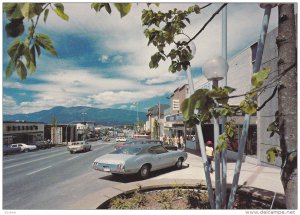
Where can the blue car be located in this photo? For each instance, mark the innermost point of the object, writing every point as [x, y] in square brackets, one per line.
[139, 159]
[7, 149]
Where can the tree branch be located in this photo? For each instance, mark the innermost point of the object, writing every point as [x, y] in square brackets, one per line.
[265, 102]
[205, 6]
[210, 19]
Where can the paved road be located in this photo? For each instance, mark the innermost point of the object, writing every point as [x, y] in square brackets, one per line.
[52, 178]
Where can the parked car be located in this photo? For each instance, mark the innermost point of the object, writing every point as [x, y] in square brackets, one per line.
[145, 141]
[24, 147]
[7, 149]
[42, 144]
[79, 146]
[105, 138]
[139, 159]
[120, 139]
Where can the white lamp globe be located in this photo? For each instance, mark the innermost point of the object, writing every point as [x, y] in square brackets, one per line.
[191, 45]
[215, 68]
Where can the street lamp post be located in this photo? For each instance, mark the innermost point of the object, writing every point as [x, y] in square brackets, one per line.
[215, 70]
[199, 128]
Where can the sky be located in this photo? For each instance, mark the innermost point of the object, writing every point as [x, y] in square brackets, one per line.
[103, 59]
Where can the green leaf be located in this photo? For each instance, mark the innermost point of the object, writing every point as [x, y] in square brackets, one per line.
[123, 8]
[10, 68]
[272, 153]
[197, 9]
[15, 49]
[61, 14]
[28, 10]
[60, 6]
[21, 70]
[46, 14]
[258, 78]
[229, 89]
[45, 42]
[15, 28]
[97, 6]
[248, 107]
[222, 143]
[107, 8]
[38, 49]
[12, 11]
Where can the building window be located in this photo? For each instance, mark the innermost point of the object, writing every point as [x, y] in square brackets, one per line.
[23, 127]
[176, 105]
[254, 50]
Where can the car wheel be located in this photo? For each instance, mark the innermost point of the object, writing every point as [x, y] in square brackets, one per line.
[144, 171]
[178, 164]
[90, 148]
[71, 152]
[26, 150]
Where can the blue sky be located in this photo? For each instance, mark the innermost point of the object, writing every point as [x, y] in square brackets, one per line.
[103, 59]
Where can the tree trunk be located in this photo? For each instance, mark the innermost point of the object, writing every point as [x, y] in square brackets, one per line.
[287, 101]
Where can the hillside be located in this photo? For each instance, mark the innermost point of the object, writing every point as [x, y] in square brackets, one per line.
[74, 114]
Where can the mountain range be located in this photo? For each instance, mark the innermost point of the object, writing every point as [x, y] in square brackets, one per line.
[63, 115]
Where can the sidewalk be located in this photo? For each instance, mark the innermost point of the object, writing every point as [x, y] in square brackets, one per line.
[262, 177]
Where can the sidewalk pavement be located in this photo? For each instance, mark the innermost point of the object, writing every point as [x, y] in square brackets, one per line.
[262, 177]
[266, 178]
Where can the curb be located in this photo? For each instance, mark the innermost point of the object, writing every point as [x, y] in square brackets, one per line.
[98, 200]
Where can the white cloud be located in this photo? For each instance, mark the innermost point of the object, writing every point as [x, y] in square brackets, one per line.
[103, 59]
[117, 59]
[9, 105]
[123, 43]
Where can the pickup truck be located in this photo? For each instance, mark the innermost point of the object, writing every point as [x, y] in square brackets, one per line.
[78, 146]
[24, 147]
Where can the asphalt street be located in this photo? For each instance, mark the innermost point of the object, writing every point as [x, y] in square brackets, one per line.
[52, 178]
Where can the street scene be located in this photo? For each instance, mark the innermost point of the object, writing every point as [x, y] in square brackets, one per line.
[150, 106]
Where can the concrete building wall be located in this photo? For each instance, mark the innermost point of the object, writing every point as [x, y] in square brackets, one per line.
[239, 74]
[267, 115]
[179, 94]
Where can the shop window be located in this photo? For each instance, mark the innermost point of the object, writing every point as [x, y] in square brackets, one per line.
[8, 128]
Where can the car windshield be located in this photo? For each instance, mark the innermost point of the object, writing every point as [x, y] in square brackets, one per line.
[127, 150]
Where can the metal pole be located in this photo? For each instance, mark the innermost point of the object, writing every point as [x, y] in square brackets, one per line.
[223, 119]
[217, 157]
[242, 143]
[202, 146]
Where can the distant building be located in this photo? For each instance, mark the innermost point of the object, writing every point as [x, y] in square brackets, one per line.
[22, 132]
[62, 133]
[156, 113]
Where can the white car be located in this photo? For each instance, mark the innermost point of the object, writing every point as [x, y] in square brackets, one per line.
[79, 146]
[120, 139]
[24, 147]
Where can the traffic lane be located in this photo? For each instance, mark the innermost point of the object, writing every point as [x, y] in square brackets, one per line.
[25, 155]
[34, 191]
[36, 153]
[36, 156]
[16, 170]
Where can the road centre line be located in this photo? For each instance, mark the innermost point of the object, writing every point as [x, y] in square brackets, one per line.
[39, 170]
[43, 158]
